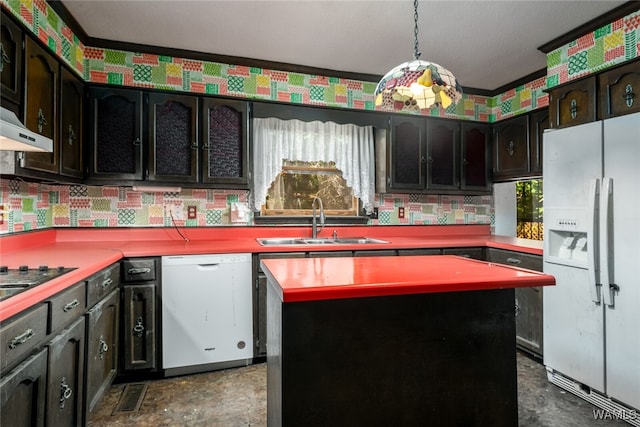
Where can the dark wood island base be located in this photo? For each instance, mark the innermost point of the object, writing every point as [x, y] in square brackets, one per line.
[392, 341]
[437, 359]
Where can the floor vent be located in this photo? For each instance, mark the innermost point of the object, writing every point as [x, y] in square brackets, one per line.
[131, 398]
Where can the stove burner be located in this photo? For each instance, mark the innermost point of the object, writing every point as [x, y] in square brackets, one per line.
[14, 281]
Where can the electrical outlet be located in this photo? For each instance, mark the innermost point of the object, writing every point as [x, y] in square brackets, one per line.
[191, 212]
[1, 214]
[400, 212]
[173, 211]
[374, 214]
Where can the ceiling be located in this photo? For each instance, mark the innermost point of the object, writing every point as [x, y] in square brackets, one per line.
[486, 44]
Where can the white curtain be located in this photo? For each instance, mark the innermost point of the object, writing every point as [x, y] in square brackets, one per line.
[351, 147]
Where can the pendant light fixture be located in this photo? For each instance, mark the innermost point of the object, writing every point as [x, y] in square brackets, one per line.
[417, 85]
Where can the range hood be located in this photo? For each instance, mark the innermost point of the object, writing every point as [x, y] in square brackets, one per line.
[15, 137]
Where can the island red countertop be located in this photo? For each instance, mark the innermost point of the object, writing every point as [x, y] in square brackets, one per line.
[312, 279]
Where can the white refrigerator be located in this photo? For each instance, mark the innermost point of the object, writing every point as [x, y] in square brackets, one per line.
[591, 177]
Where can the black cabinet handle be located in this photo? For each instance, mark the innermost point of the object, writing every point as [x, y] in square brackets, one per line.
[42, 121]
[70, 306]
[65, 392]
[103, 347]
[139, 270]
[71, 135]
[573, 109]
[628, 95]
[5, 57]
[137, 142]
[22, 338]
[138, 329]
[510, 148]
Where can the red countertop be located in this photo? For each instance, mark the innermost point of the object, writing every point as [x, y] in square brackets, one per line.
[312, 279]
[90, 250]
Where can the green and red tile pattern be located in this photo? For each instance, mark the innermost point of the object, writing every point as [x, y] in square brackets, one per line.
[612, 44]
[32, 206]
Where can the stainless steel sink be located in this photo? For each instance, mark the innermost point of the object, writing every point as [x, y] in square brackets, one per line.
[284, 241]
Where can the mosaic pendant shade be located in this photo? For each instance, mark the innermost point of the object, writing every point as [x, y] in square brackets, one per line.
[417, 85]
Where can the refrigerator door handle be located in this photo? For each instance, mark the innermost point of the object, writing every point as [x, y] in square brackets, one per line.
[608, 288]
[592, 258]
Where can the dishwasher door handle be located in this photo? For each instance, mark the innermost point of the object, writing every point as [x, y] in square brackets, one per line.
[209, 266]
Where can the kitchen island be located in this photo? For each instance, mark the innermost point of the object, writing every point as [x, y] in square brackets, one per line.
[403, 341]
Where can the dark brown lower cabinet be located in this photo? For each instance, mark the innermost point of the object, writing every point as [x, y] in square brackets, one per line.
[65, 378]
[22, 393]
[529, 328]
[102, 348]
[139, 334]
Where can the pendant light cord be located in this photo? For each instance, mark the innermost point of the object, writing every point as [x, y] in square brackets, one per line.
[416, 51]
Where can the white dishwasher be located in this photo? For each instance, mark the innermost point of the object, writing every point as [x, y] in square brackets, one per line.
[207, 315]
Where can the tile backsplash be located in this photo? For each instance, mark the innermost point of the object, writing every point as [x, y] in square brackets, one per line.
[32, 206]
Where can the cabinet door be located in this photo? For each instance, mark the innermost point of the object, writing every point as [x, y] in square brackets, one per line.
[620, 90]
[116, 134]
[225, 142]
[407, 155]
[139, 332]
[22, 401]
[71, 129]
[102, 348]
[475, 161]
[41, 113]
[443, 147]
[573, 104]
[65, 377]
[538, 122]
[511, 148]
[173, 139]
[11, 64]
[529, 325]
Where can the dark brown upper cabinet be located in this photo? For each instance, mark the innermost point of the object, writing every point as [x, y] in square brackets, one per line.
[511, 148]
[225, 143]
[71, 124]
[573, 103]
[41, 104]
[538, 122]
[173, 138]
[11, 64]
[458, 160]
[407, 154]
[475, 140]
[443, 147]
[116, 134]
[619, 90]
[438, 156]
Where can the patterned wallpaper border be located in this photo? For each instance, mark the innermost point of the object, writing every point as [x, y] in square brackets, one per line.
[610, 45]
[32, 206]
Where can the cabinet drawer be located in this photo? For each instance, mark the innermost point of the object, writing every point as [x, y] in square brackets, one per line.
[138, 270]
[100, 284]
[417, 252]
[21, 334]
[516, 259]
[475, 253]
[66, 306]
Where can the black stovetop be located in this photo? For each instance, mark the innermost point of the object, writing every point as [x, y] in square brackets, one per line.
[16, 280]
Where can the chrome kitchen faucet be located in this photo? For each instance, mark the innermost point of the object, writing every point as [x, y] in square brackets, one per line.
[314, 222]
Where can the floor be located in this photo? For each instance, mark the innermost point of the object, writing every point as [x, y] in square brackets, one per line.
[237, 398]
